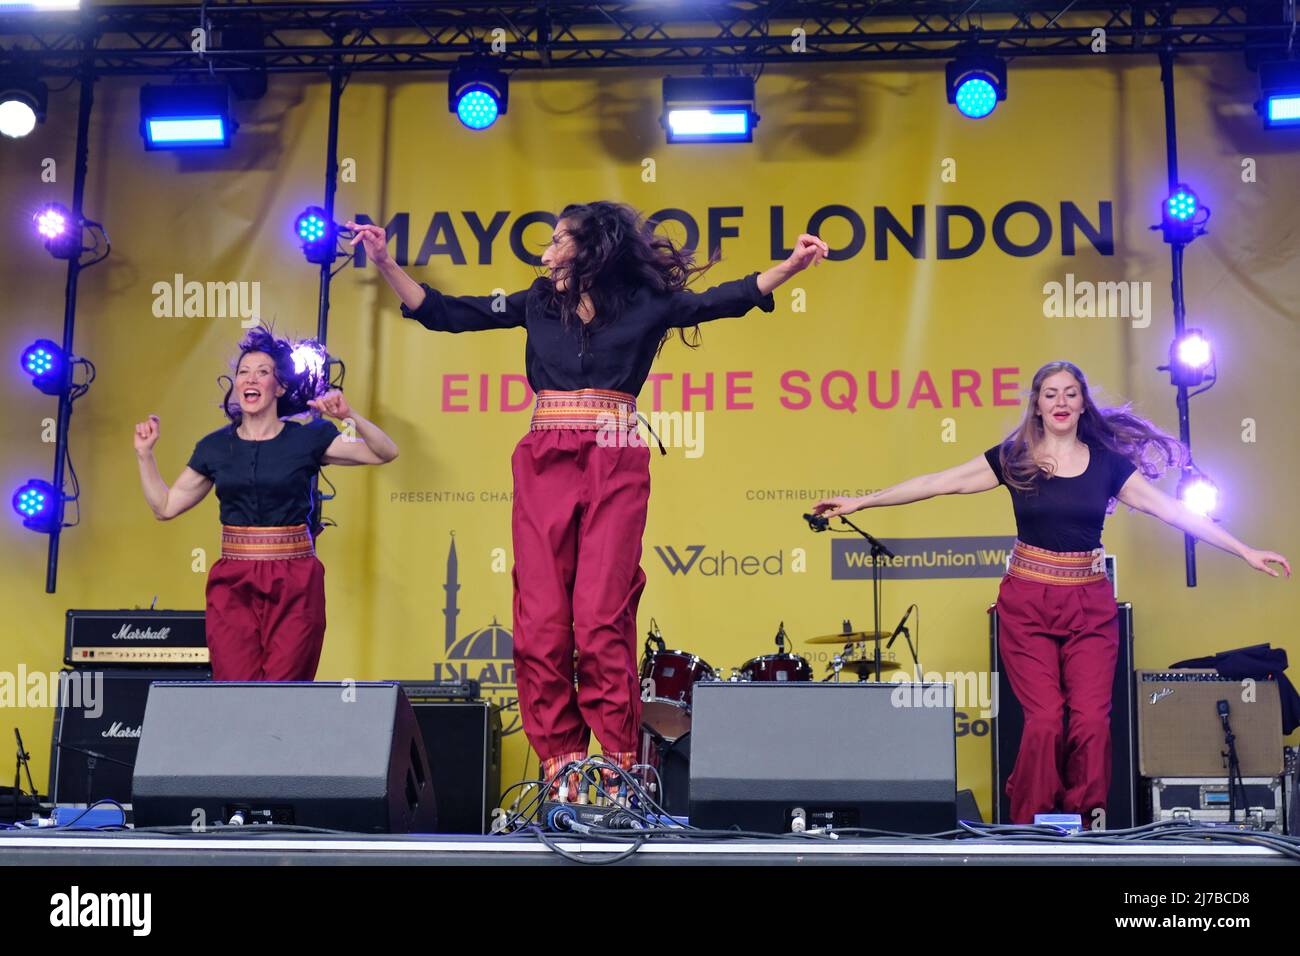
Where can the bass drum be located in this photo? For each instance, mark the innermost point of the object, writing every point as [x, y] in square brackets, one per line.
[777, 667]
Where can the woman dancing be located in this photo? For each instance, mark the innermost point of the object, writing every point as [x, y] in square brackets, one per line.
[615, 293]
[1058, 623]
[266, 594]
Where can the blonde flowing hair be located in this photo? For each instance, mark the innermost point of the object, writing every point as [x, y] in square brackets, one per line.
[1117, 428]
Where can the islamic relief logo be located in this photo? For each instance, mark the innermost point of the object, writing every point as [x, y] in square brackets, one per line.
[485, 655]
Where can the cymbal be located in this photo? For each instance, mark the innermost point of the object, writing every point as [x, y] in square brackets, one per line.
[853, 637]
[861, 666]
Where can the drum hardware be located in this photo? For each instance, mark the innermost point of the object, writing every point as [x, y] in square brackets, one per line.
[878, 551]
[846, 637]
[781, 666]
[668, 678]
[864, 667]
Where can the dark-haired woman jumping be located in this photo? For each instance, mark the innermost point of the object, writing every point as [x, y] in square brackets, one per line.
[615, 293]
[266, 595]
[1058, 624]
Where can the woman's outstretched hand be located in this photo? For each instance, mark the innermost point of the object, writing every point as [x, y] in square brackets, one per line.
[372, 238]
[808, 250]
[1260, 561]
[834, 507]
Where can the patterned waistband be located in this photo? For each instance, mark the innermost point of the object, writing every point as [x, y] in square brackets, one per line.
[266, 544]
[588, 409]
[1057, 567]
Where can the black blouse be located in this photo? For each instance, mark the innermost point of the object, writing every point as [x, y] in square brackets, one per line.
[615, 356]
[264, 484]
[1066, 514]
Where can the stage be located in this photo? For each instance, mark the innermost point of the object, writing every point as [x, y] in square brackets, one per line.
[80, 848]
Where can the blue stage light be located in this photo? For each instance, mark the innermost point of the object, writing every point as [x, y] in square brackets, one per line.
[976, 83]
[59, 230]
[976, 97]
[47, 364]
[1279, 87]
[186, 117]
[1191, 360]
[709, 125]
[1182, 205]
[477, 108]
[37, 503]
[317, 235]
[477, 95]
[709, 109]
[1182, 215]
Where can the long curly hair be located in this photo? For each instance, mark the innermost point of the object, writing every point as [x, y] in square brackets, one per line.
[1151, 450]
[302, 381]
[615, 252]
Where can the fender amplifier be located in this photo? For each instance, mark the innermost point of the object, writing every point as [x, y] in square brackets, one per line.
[1180, 734]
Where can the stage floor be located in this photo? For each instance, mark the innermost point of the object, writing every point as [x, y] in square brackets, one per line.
[71, 848]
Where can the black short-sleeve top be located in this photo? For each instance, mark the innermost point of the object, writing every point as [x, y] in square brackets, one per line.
[569, 356]
[1067, 514]
[264, 484]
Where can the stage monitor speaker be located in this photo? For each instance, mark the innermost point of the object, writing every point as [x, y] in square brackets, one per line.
[338, 756]
[845, 754]
[1009, 723]
[97, 720]
[463, 740]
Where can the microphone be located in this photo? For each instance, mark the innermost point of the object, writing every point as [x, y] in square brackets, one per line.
[899, 630]
[1222, 708]
[780, 637]
[654, 639]
[817, 522]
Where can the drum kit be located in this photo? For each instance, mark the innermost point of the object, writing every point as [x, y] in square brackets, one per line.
[668, 677]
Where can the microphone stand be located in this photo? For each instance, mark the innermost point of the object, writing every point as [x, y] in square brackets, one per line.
[878, 549]
[1234, 764]
[907, 636]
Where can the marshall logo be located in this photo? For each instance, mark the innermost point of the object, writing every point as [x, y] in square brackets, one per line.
[1161, 694]
[128, 633]
[117, 730]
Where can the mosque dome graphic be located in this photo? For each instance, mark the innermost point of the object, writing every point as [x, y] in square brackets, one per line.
[485, 654]
[493, 641]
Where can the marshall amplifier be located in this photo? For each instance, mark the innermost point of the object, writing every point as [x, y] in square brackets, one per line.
[135, 637]
[1122, 806]
[97, 731]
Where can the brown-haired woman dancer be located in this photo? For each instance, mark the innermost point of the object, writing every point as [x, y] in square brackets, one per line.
[1058, 623]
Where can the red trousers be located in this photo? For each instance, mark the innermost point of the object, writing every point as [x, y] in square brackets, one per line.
[266, 618]
[579, 515]
[1058, 645]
